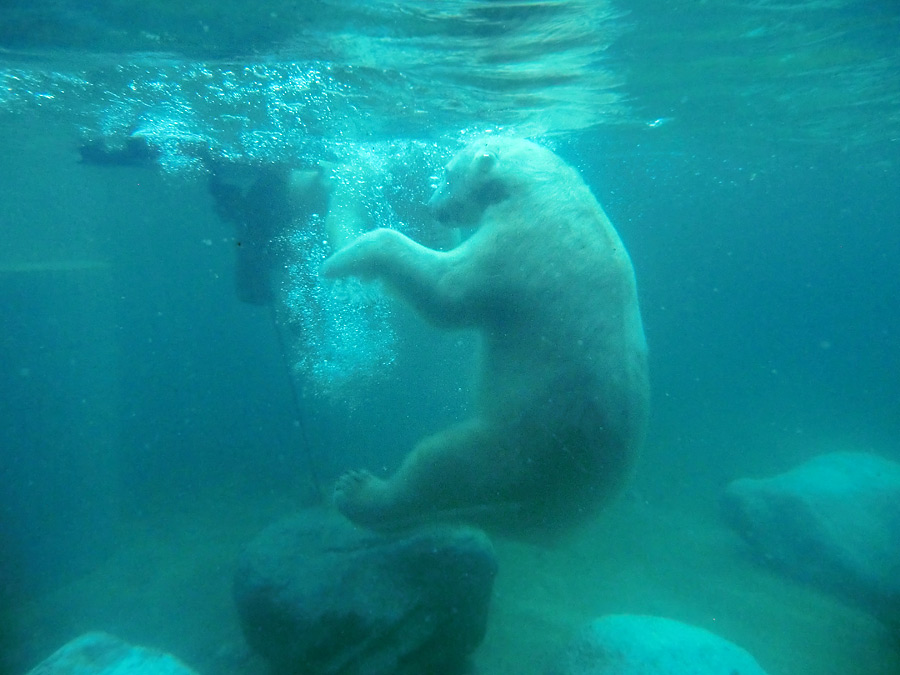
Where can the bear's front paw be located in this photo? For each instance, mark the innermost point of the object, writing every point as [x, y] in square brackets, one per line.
[340, 264]
[360, 258]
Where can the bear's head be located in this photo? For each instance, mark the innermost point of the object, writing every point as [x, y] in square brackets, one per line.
[472, 181]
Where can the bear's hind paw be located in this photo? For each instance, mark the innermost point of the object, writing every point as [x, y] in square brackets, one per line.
[357, 494]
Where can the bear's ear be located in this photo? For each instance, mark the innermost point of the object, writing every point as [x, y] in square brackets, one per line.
[485, 161]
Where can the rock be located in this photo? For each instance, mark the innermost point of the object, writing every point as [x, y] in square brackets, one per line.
[624, 644]
[316, 594]
[833, 521]
[102, 654]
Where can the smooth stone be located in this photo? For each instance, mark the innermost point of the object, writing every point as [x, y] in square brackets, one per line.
[833, 521]
[626, 644]
[103, 654]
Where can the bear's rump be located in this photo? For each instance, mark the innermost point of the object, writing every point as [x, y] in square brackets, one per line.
[577, 430]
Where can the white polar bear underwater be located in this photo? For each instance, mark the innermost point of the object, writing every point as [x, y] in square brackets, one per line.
[562, 390]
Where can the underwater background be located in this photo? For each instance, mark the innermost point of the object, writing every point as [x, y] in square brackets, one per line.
[152, 421]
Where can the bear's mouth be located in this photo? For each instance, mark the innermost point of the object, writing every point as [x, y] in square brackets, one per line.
[466, 212]
[491, 192]
[446, 213]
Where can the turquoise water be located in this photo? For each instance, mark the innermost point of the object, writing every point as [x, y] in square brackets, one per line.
[747, 152]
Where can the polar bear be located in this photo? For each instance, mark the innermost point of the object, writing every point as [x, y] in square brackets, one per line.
[561, 392]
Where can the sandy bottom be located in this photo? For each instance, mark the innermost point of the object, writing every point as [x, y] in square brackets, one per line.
[169, 586]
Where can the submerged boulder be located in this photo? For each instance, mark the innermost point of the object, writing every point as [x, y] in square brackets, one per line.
[833, 521]
[102, 654]
[316, 594]
[625, 644]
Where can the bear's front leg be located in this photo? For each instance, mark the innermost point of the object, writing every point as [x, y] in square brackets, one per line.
[433, 282]
[364, 257]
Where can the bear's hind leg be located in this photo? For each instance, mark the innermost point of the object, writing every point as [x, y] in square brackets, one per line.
[464, 467]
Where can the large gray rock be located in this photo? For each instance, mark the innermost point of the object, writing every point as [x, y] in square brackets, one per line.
[102, 654]
[624, 644]
[315, 594]
[833, 521]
